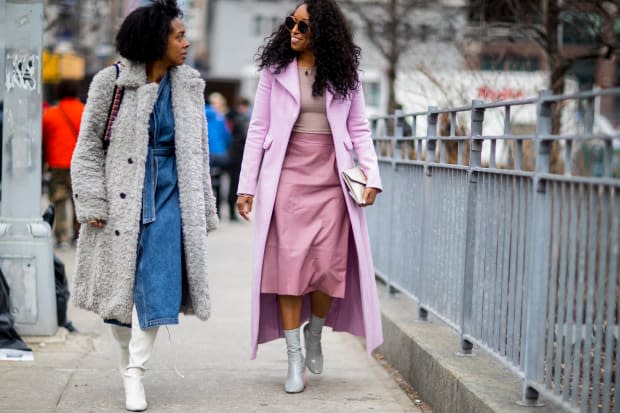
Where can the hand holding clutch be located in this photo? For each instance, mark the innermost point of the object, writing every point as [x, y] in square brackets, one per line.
[355, 180]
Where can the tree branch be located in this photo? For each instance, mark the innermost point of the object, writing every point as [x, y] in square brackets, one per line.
[369, 26]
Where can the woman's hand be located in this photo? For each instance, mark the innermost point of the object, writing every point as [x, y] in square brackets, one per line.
[97, 223]
[244, 206]
[369, 196]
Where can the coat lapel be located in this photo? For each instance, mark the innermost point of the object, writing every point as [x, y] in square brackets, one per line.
[329, 98]
[289, 78]
[186, 84]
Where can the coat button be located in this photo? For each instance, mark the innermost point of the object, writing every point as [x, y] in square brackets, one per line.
[129, 160]
[123, 195]
[75, 196]
[117, 232]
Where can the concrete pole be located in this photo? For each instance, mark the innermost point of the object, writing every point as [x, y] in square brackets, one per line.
[26, 255]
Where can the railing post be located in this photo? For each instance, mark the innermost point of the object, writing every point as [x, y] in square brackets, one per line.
[398, 134]
[427, 209]
[374, 129]
[536, 308]
[477, 118]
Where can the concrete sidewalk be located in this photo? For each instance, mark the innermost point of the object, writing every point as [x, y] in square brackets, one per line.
[78, 373]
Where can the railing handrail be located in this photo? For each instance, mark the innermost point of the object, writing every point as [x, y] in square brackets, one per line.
[503, 103]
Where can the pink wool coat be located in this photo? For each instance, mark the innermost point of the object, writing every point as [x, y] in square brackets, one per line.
[276, 108]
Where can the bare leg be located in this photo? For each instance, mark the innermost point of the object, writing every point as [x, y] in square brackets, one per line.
[320, 303]
[290, 311]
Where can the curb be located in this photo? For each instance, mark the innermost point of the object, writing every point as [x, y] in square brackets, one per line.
[425, 355]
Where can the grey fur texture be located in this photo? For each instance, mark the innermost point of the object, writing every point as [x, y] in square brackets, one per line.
[106, 258]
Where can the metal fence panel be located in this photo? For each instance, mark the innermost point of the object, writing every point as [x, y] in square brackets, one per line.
[524, 263]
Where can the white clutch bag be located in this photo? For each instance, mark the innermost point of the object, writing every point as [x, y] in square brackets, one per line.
[355, 180]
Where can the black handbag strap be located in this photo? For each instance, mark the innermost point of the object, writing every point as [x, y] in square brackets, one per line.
[113, 111]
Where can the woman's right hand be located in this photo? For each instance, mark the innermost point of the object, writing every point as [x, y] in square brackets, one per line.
[244, 206]
[97, 223]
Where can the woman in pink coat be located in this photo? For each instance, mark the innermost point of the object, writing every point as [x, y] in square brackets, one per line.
[312, 257]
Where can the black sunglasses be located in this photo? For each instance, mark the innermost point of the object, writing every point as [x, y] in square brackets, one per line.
[302, 25]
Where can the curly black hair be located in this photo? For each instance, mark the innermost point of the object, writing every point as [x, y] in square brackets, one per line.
[143, 36]
[336, 55]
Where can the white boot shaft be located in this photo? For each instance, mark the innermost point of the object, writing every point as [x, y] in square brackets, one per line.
[140, 349]
[141, 343]
[122, 335]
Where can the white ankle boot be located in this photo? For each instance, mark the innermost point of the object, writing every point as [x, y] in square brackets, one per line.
[135, 399]
[312, 342]
[140, 349]
[295, 377]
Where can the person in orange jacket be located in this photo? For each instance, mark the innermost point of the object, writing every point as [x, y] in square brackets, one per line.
[61, 125]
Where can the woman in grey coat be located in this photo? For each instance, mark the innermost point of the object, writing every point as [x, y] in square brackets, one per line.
[148, 201]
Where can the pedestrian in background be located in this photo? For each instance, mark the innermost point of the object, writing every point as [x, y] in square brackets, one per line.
[312, 258]
[238, 118]
[1, 142]
[219, 142]
[60, 129]
[147, 205]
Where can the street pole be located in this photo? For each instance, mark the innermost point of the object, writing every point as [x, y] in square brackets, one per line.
[26, 256]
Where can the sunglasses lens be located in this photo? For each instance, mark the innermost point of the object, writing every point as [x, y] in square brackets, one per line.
[289, 22]
[303, 27]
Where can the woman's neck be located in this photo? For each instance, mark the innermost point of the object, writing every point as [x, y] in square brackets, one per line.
[305, 59]
[156, 70]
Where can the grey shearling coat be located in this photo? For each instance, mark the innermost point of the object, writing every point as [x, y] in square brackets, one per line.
[110, 188]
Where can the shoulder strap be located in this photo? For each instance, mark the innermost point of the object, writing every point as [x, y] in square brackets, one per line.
[113, 111]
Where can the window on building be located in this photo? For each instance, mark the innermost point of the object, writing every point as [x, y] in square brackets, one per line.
[258, 24]
[372, 93]
[275, 23]
[509, 11]
[583, 70]
[510, 62]
[265, 25]
[580, 27]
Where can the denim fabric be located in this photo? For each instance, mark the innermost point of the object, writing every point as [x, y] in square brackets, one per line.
[159, 270]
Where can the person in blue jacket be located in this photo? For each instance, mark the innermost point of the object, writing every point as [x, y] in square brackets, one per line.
[219, 142]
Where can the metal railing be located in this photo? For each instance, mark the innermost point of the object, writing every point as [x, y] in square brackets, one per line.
[522, 261]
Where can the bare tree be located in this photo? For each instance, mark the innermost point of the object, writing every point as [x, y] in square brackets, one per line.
[392, 27]
[544, 22]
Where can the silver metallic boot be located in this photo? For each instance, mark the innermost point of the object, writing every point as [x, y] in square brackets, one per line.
[296, 367]
[312, 342]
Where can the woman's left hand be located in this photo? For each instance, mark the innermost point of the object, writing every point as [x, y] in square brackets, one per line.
[369, 196]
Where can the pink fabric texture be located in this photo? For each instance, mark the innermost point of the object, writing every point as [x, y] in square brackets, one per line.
[308, 237]
[276, 108]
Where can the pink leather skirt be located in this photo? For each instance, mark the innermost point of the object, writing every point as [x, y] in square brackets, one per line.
[308, 237]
